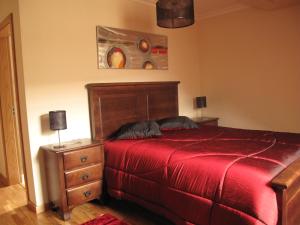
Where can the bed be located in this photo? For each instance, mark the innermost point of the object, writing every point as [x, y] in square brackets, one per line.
[210, 175]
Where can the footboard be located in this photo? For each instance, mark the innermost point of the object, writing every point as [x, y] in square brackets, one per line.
[287, 187]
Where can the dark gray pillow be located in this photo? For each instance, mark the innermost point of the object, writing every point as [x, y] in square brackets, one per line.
[145, 129]
[178, 122]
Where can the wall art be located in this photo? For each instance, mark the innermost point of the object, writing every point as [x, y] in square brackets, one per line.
[125, 49]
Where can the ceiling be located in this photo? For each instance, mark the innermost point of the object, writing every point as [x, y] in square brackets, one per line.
[210, 8]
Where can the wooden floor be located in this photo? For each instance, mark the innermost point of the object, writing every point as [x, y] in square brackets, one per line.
[13, 211]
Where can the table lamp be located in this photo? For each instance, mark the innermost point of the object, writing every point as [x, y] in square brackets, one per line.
[201, 103]
[58, 122]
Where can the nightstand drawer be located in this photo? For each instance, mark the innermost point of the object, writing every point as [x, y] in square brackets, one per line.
[84, 175]
[82, 157]
[77, 196]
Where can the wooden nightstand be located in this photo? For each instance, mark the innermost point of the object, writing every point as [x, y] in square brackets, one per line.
[207, 121]
[74, 174]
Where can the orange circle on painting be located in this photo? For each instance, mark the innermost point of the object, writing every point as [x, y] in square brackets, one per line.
[144, 45]
[116, 58]
[148, 65]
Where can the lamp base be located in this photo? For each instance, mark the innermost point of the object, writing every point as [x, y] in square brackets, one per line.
[59, 142]
[199, 113]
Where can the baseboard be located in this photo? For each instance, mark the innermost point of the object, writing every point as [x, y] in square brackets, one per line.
[3, 180]
[37, 209]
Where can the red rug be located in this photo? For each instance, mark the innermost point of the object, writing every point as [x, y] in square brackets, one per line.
[105, 219]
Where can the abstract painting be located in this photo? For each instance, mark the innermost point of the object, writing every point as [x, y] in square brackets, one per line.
[125, 49]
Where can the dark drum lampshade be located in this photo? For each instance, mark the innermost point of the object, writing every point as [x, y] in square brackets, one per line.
[201, 102]
[175, 13]
[58, 120]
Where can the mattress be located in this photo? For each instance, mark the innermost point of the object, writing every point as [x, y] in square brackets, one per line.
[205, 176]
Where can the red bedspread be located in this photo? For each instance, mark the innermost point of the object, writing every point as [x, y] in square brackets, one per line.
[205, 176]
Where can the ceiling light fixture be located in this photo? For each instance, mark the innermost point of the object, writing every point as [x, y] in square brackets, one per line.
[175, 13]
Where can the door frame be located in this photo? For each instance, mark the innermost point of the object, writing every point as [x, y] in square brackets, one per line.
[9, 21]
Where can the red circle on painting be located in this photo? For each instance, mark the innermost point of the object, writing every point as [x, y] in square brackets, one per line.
[116, 58]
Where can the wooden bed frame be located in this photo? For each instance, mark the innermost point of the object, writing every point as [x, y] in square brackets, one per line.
[115, 104]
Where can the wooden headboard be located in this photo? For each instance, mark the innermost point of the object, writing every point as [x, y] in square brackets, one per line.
[112, 105]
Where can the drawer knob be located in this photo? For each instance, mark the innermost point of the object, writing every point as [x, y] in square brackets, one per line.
[83, 159]
[87, 193]
[84, 177]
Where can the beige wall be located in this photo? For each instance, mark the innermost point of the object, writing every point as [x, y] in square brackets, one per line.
[7, 7]
[59, 55]
[249, 68]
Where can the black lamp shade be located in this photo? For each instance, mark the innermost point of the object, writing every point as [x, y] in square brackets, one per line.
[58, 120]
[175, 13]
[201, 102]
